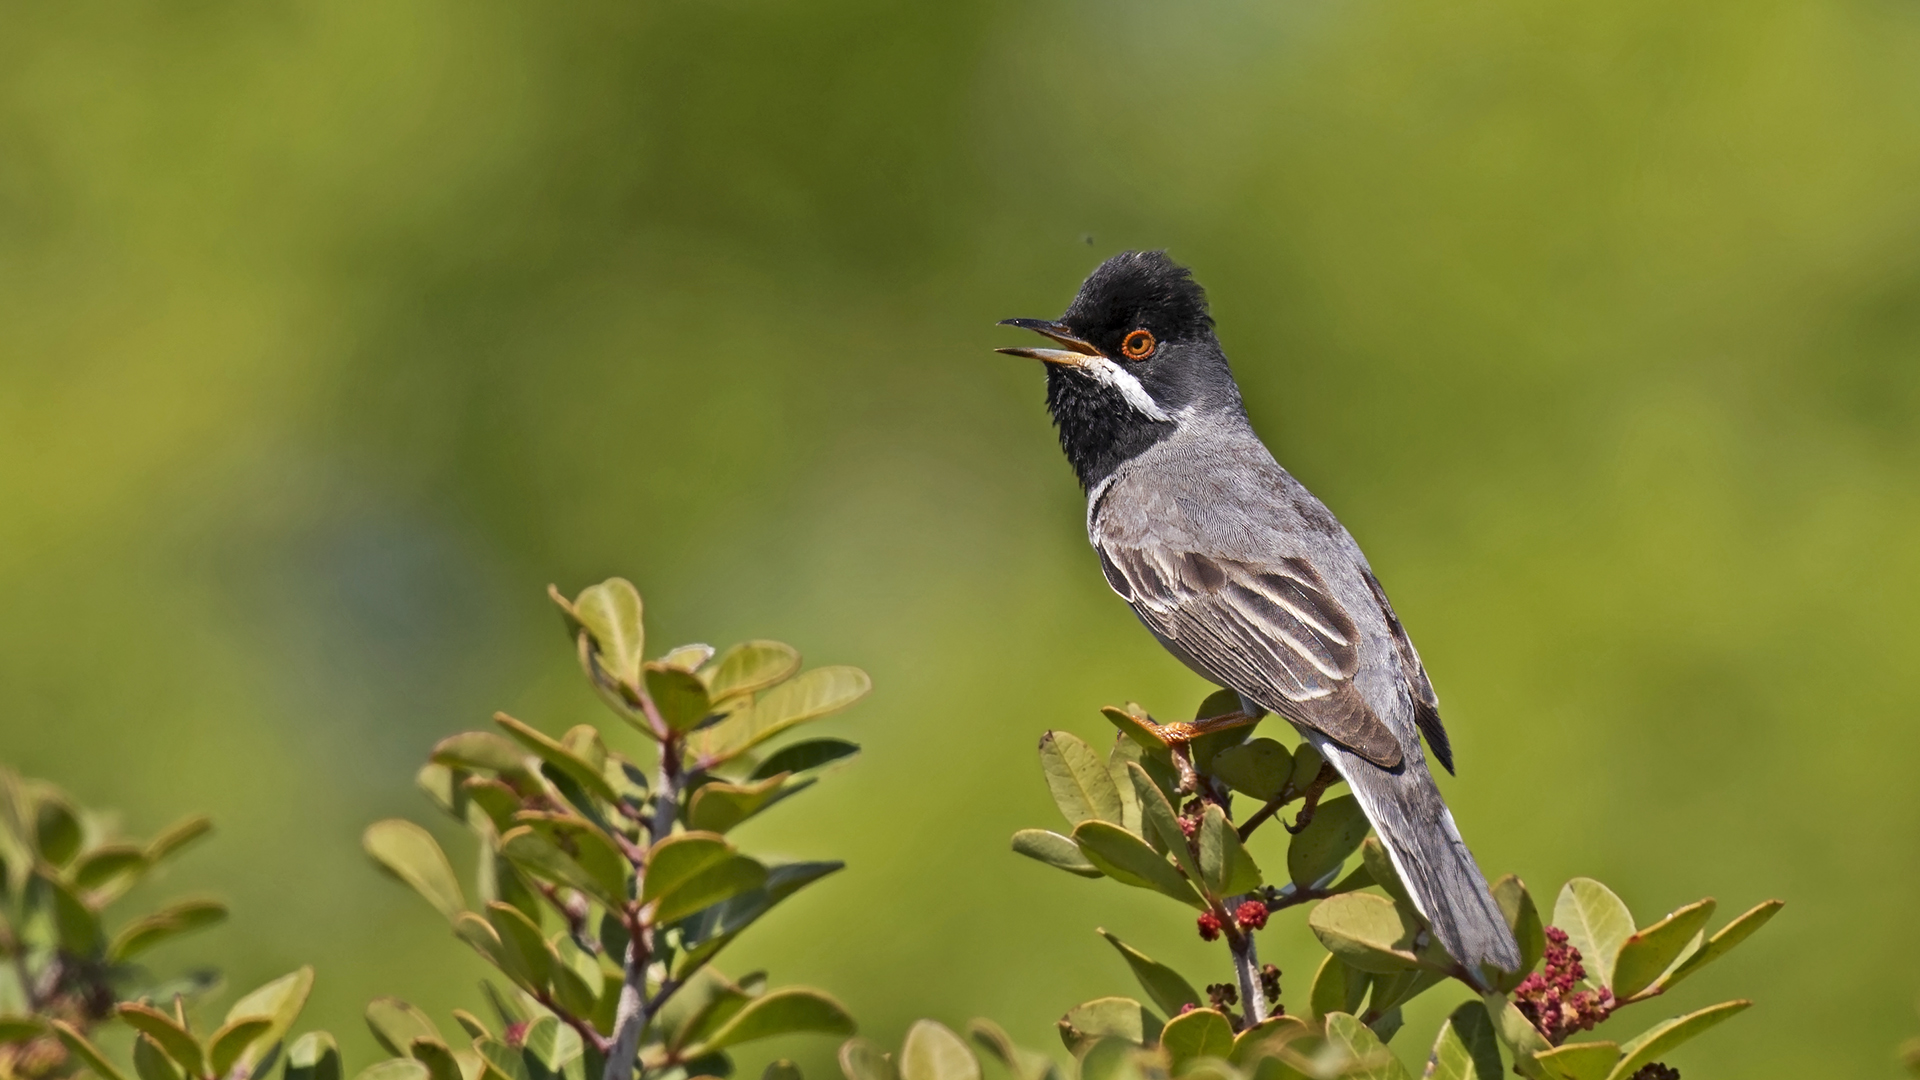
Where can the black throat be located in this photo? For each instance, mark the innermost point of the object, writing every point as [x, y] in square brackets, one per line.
[1098, 429]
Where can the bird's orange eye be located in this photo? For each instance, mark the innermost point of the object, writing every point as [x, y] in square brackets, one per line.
[1138, 345]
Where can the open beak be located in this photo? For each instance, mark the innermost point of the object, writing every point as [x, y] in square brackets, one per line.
[1076, 353]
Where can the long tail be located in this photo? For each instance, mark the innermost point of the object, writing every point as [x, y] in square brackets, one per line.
[1418, 831]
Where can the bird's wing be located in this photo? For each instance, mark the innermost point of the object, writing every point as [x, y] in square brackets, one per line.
[1426, 704]
[1269, 629]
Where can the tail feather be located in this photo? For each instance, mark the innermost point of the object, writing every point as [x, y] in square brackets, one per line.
[1417, 830]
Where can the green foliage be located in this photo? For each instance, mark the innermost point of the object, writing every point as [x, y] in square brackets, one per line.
[63, 971]
[1176, 836]
[606, 885]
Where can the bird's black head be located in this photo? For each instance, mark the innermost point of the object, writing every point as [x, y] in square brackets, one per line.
[1139, 358]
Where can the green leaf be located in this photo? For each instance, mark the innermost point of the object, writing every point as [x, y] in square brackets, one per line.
[1577, 1061]
[411, 854]
[1163, 984]
[719, 806]
[399, 1068]
[587, 846]
[1307, 760]
[1114, 1058]
[1722, 942]
[502, 1060]
[77, 925]
[709, 931]
[612, 612]
[688, 657]
[19, 1029]
[1597, 923]
[725, 880]
[1648, 953]
[678, 858]
[1337, 987]
[1020, 1063]
[483, 751]
[862, 1060]
[1516, 906]
[933, 1052]
[804, 757]
[1196, 1034]
[1159, 819]
[495, 799]
[439, 1060]
[56, 830]
[89, 1054]
[1120, 1017]
[225, 1046]
[395, 1024]
[1141, 730]
[1127, 859]
[1225, 865]
[752, 666]
[523, 950]
[680, 696]
[1664, 1038]
[576, 768]
[786, 1011]
[1382, 872]
[1368, 932]
[1258, 769]
[1467, 1048]
[167, 1035]
[279, 1002]
[812, 695]
[1269, 1038]
[1078, 778]
[540, 857]
[1364, 1056]
[1054, 850]
[105, 865]
[176, 837]
[1512, 1026]
[314, 1056]
[152, 1063]
[181, 918]
[1335, 832]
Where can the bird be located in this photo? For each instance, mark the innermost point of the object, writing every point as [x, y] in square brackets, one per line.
[1247, 578]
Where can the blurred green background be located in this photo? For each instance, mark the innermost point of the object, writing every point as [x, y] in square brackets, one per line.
[330, 333]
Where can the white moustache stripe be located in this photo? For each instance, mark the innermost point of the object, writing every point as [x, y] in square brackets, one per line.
[1111, 374]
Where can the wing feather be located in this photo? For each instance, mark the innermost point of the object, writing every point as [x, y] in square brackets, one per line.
[1272, 631]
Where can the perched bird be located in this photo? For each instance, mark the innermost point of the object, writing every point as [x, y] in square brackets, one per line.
[1246, 577]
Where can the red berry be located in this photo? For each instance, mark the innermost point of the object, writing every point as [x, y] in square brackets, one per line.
[1209, 926]
[1251, 915]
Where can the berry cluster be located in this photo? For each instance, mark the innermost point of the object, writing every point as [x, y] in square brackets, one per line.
[1209, 924]
[1548, 999]
[1251, 915]
[1223, 997]
[1270, 987]
[1656, 1071]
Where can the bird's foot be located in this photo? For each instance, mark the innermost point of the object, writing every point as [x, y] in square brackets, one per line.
[1183, 732]
[1322, 780]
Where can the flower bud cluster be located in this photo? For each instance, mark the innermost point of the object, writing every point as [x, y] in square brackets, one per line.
[1251, 915]
[1209, 924]
[1548, 1000]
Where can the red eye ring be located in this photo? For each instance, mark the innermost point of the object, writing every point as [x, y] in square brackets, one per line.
[1138, 345]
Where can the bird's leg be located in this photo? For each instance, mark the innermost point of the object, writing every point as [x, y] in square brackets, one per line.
[1321, 782]
[1185, 732]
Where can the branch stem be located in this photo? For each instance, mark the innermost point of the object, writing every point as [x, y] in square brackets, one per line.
[633, 1008]
[1246, 965]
